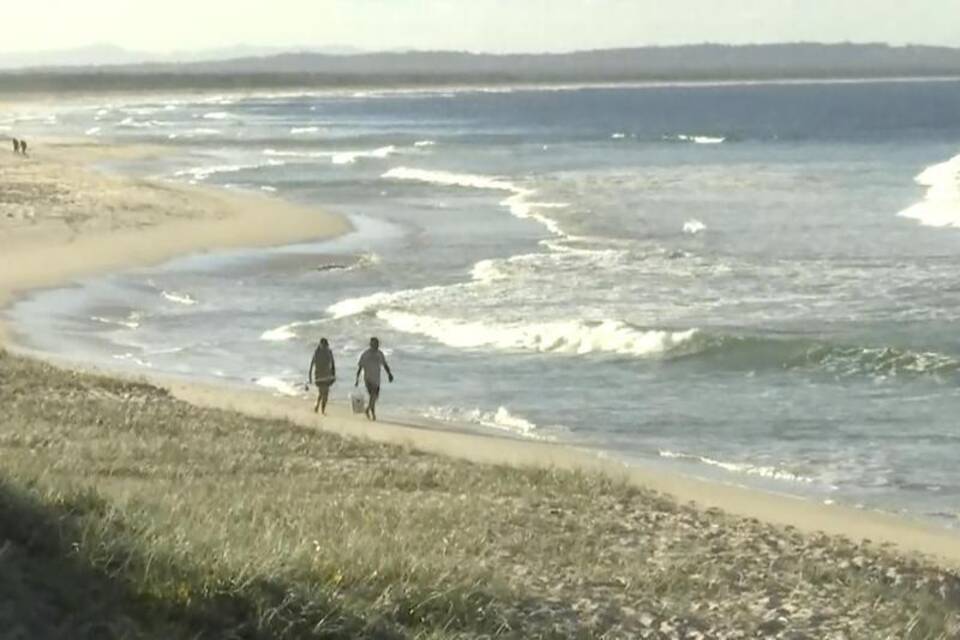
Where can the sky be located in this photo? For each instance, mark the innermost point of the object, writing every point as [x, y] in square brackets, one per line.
[475, 25]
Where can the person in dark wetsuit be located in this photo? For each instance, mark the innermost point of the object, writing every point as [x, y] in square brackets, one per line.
[23, 147]
[16, 146]
[323, 373]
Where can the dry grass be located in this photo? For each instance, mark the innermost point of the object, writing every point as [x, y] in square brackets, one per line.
[127, 514]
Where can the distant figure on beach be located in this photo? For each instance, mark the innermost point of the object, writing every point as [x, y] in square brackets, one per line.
[16, 146]
[370, 363]
[323, 373]
[23, 147]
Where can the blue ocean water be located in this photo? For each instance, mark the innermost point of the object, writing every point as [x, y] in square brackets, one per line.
[753, 283]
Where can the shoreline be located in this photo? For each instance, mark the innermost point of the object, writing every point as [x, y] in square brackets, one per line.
[52, 254]
[65, 220]
[904, 534]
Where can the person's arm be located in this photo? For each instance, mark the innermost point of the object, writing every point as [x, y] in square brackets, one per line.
[386, 367]
[356, 383]
[333, 367]
[313, 362]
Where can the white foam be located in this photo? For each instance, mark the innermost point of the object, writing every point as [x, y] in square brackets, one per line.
[130, 323]
[701, 139]
[195, 133]
[771, 472]
[449, 179]
[941, 205]
[217, 115]
[336, 157]
[92, 131]
[280, 334]
[619, 136]
[518, 203]
[268, 188]
[133, 358]
[487, 271]
[693, 227]
[501, 419]
[279, 385]
[133, 123]
[574, 337]
[286, 332]
[350, 157]
[202, 173]
[424, 143]
[221, 100]
[298, 130]
[179, 298]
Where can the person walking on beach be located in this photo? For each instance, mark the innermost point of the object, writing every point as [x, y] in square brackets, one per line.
[16, 146]
[23, 147]
[370, 362]
[323, 373]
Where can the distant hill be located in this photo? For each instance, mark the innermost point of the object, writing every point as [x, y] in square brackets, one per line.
[692, 62]
[101, 55]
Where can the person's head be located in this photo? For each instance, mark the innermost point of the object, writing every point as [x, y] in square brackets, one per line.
[374, 343]
[324, 343]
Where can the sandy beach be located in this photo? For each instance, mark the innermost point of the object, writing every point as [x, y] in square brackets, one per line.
[61, 220]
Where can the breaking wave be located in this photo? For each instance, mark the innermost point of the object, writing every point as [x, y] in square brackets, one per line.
[337, 157]
[204, 172]
[697, 139]
[574, 337]
[132, 321]
[132, 123]
[765, 471]
[280, 386]
[287, 332]
[518, 202]
[197, 132]
[501, 419]
[941, 205]
[179, 298]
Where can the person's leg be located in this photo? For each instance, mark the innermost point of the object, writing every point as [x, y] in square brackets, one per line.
[316, 406]
[374, 392]
[324, 396]
[373, 404]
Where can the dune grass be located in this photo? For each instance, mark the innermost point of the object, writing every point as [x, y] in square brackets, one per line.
[125, 513]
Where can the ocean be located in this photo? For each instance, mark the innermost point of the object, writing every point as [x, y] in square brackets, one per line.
[753, 283]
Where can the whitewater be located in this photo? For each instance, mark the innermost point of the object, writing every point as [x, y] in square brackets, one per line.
[750, 283]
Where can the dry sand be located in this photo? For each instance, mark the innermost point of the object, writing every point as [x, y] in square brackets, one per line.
[59, 220]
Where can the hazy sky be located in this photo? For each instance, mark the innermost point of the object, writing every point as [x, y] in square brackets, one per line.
[481, 25]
